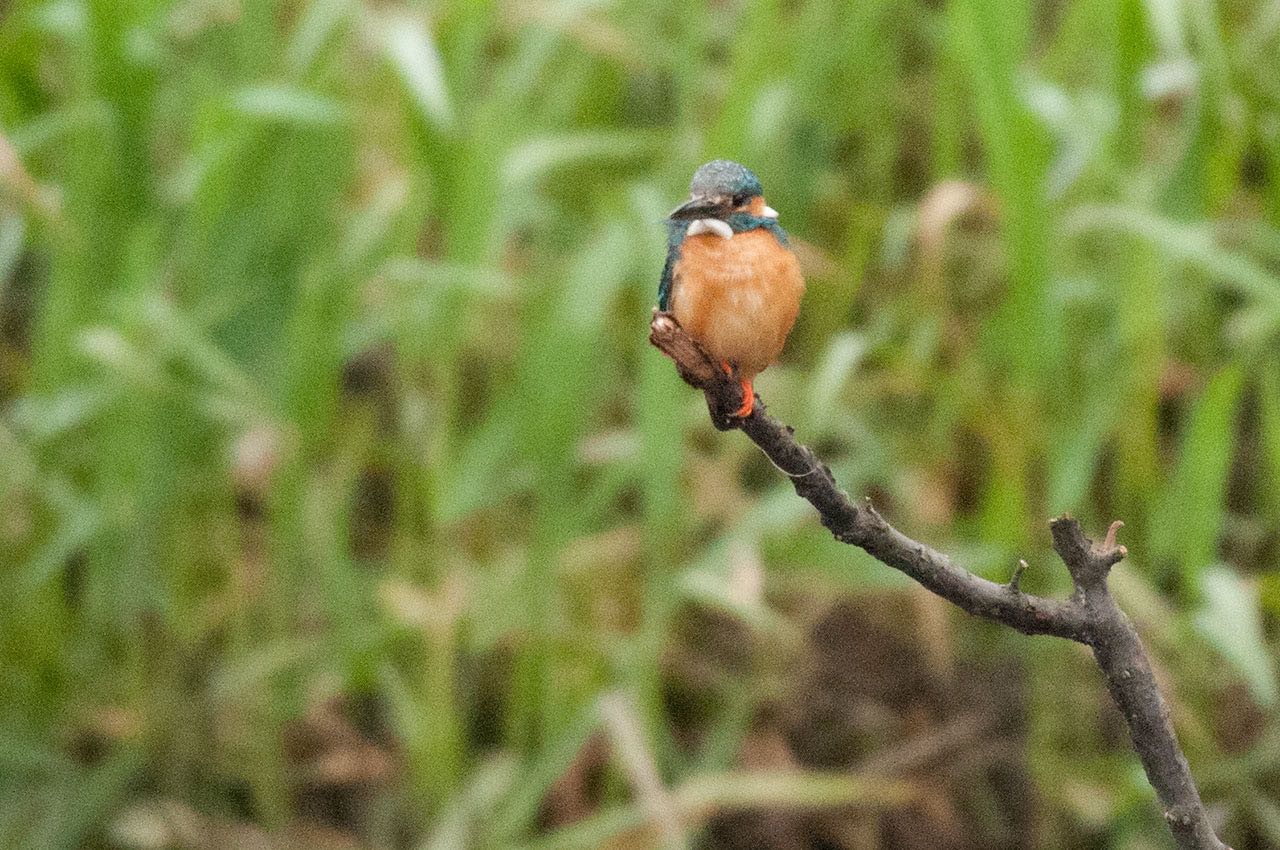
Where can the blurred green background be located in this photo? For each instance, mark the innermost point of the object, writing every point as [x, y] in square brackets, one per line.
[343, 503]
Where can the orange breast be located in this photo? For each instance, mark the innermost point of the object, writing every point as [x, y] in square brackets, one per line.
[738, 297]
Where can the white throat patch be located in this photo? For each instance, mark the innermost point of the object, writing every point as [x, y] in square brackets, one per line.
[710, 225]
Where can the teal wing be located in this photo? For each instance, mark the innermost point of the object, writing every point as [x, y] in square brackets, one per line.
[675, 236]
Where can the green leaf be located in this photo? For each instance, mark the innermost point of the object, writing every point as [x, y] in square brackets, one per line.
[1189, 516]
[541, 155]
[1230, 620]
[1269, 416]
[1193, 244]
[413, 54]
[288, 105]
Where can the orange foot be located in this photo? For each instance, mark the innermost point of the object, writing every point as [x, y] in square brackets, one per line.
[748, 400]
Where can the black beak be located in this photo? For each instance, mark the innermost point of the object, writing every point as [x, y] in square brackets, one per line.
[700, 206]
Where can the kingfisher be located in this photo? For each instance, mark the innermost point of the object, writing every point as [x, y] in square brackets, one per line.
[730, 279]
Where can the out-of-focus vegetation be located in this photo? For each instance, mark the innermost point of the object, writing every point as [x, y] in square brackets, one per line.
[343, 503]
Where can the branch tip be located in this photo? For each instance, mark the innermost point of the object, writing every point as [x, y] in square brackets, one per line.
[1087, 561]
[697, 369]
[1016, 578]
[1109, 542]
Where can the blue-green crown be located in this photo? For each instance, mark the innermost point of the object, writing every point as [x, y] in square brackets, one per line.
[725, 177]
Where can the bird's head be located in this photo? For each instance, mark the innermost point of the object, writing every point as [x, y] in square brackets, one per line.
[721, 188]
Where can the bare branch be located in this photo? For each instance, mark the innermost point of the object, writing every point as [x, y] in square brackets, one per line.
[1127, 671]
[1091, 616]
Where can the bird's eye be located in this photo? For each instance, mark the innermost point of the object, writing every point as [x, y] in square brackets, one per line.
[740, 199]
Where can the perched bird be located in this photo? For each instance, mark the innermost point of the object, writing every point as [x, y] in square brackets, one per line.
[730, 279]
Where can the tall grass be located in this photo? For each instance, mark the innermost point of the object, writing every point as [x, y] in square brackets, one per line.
[323, 376]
